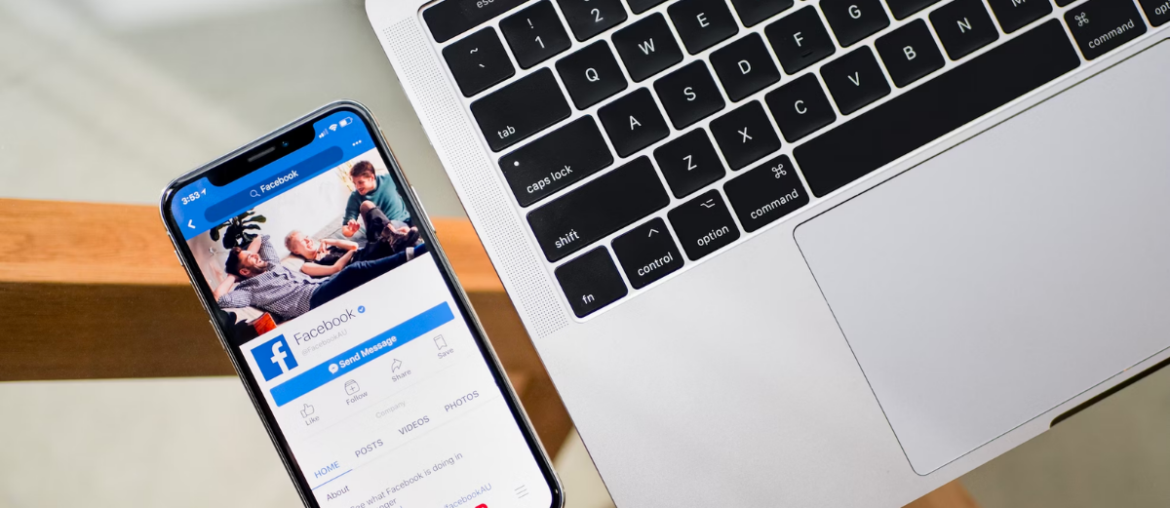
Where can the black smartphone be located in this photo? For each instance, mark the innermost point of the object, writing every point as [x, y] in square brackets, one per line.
[347, 325]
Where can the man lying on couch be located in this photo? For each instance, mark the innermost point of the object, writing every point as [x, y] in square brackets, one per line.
[266, 284]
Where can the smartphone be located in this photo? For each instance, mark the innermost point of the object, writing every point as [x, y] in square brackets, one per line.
[326, 286]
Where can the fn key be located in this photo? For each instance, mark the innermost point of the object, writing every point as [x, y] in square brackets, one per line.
[591, 282]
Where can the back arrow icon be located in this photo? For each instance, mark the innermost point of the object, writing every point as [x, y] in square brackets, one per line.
[191, 224]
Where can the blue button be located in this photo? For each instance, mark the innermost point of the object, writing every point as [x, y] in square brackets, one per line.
[362, 354]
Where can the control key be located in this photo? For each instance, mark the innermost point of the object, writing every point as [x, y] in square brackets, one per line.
[647, 253]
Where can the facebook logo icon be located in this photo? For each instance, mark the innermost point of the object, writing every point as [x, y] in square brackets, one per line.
[274, 358]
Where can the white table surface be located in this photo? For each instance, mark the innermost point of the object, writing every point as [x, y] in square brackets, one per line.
[107, 100]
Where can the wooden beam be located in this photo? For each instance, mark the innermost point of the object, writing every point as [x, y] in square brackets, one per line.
[88, 243]
[951, 495]
[93, 291]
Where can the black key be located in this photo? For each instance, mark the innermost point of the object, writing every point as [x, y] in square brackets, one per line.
[745, 135]
[591, 74]
[588, 18]
[1015, 14]
[689, 94]
[633, 122]
[855, 80]
[647, 253]
[702, 23]
[521, 109]
[689, 163]
[744, 66]
[766, 193]
[703, 225]
[853, 20]
[936, 107]
[478, 62]
[1100, 26]
[800, 107]
[752, 12]
[901, 9]
[963, 26]
[535, 34]
[909, 53]
[1158, 11]
[555, 161]
[599, 207]
[453, 17]
[800, 39]
[591, 282]
[640, 6]
[647, 47]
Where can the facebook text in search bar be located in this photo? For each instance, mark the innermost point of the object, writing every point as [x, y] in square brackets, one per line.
[286, 179]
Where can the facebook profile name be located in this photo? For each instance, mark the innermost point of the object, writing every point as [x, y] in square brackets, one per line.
[325, 326]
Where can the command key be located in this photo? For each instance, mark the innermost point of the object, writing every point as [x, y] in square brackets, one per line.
[1100, 26]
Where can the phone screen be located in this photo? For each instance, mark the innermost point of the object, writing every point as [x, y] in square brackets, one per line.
[352, 335]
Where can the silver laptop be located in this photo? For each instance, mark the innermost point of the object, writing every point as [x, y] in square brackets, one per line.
[831, 253]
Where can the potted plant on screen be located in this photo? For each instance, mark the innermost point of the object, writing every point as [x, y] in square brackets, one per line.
[239, 230]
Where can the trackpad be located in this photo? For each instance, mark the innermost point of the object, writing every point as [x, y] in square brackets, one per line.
[1014, 271]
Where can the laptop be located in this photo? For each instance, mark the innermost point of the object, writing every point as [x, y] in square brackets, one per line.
[831, 253]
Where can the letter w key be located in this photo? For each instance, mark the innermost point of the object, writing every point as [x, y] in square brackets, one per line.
[647, 47]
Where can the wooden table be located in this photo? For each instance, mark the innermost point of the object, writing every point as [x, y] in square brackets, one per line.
[131, 312]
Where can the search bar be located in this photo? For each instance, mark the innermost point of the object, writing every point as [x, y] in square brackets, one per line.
[283, 181]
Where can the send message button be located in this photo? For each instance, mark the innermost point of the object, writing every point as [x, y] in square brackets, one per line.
[362, 354]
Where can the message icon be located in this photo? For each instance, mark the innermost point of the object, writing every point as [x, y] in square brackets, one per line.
[333, 368]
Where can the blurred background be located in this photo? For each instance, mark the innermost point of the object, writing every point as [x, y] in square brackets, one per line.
[107, 100]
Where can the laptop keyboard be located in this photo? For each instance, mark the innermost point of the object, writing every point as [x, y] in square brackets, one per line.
[661, 123]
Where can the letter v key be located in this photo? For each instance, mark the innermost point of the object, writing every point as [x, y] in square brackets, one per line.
[855, 78]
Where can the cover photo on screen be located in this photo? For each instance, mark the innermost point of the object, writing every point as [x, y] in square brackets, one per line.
[307, 246]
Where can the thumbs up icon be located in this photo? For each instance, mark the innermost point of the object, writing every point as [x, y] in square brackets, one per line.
[308, 410]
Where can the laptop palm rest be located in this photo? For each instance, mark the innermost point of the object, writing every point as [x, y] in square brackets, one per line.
[1014, 271]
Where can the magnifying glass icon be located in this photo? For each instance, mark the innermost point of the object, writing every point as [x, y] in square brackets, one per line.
[254, 193]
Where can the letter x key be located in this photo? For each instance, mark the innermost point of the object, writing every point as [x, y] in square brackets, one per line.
[745, 135]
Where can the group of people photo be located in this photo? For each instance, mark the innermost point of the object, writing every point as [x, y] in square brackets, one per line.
[374, 235]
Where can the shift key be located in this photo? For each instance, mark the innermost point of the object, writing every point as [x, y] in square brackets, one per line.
[521, 109]
[598, 208]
